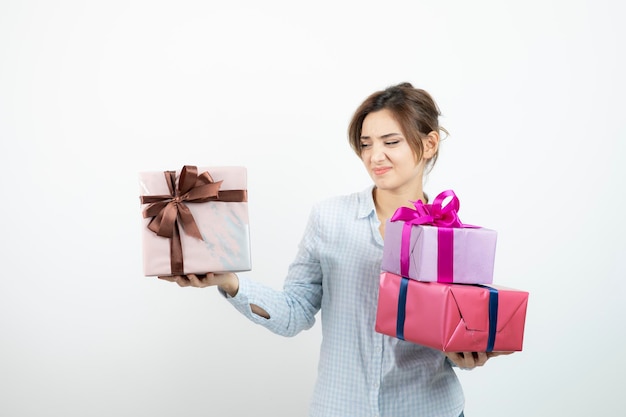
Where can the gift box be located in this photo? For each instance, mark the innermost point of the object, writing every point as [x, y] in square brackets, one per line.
[430, 243]
[195, 221]
[451, 317]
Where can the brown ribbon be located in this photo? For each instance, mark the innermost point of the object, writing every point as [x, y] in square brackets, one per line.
[169, 211]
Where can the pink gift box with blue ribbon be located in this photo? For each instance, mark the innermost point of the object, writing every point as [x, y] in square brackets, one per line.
[451, 317]
[430, 243]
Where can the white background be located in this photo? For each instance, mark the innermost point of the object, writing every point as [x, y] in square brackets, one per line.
[93, 92]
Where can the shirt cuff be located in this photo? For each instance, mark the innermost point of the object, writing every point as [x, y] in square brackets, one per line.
[241, 301]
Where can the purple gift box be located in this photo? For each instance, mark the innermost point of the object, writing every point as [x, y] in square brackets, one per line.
[431, 244]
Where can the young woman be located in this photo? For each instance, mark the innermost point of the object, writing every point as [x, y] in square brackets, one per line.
[361, 373]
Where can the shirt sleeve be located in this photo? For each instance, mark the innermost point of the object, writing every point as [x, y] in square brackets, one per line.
[294, 308]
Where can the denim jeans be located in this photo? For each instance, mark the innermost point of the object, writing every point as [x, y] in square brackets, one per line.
[461, 415]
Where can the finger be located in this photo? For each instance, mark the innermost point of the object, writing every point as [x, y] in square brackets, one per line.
[480, 358]
[182, 281]
[468, 360]
[193, 279]
[456, 357]
[167, 278]
[200, 281]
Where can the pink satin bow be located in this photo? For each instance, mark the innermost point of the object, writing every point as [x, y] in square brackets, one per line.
[435, 214]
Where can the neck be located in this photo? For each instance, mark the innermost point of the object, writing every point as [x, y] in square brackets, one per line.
[387, 202]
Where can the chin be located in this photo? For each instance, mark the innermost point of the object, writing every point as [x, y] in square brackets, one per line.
[383, 185]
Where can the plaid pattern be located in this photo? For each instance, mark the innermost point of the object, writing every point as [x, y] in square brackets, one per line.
[361, 373]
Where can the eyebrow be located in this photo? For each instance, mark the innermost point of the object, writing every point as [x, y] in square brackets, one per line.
[388, 135]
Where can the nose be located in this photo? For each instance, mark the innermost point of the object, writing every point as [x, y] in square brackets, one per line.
[378, 153]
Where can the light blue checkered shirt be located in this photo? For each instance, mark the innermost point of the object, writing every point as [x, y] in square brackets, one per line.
[361, 373]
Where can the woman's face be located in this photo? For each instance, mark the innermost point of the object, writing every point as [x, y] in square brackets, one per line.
[387, 156]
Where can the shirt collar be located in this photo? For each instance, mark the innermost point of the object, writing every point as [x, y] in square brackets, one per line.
[366, 202]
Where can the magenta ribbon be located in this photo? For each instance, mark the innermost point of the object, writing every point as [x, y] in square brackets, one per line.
[445, 218]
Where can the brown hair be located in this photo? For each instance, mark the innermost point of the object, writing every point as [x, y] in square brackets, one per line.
[414, 109]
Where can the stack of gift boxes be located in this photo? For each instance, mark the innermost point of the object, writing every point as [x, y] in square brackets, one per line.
[436, 285]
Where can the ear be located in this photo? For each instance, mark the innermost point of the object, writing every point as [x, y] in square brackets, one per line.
[431, 144]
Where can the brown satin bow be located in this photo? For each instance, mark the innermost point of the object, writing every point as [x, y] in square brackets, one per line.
[169, 211]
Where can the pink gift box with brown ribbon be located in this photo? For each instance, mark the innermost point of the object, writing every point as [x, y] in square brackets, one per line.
[195, 220]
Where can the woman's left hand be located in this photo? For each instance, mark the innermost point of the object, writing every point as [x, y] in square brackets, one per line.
[470, 360]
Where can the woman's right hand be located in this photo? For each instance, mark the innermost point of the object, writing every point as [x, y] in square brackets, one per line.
[228, 282]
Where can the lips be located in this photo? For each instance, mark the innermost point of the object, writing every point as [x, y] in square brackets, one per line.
[380, 171]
